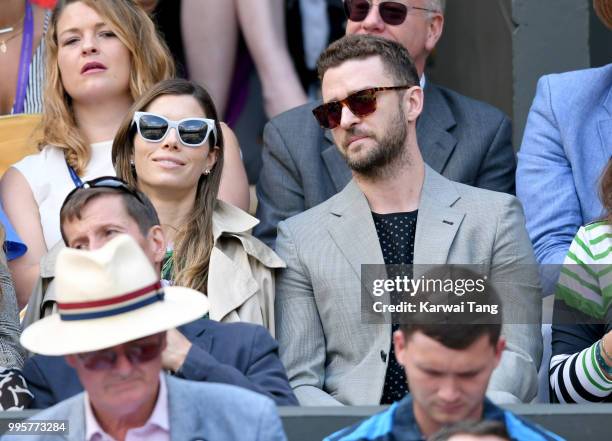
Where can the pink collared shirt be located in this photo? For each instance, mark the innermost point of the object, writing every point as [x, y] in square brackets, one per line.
[157, 427]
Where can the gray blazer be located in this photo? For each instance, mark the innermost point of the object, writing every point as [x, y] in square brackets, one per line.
[11, 352]
[463, 139]
[331, 356]
[197, 411]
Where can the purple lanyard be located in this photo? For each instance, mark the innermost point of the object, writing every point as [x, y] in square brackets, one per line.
[24, 60]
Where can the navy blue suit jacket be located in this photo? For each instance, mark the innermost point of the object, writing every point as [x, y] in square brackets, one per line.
[241, 354]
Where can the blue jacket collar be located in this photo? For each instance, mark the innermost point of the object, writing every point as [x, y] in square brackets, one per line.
[405, 427]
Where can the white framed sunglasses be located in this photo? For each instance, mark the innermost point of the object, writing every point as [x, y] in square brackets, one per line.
[193, 132]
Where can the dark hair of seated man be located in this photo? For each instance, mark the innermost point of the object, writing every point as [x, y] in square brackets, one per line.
[475, 430]
[451, 330]
[137, 205]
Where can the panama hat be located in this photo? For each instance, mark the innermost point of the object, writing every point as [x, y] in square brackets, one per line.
[603, 8]
[108, 297]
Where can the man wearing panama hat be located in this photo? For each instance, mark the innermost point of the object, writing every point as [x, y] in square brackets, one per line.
[112, 316]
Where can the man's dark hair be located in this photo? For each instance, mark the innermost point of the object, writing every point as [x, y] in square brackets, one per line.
[396, 59]
[456, 330]
[141, 211]
[476, 428]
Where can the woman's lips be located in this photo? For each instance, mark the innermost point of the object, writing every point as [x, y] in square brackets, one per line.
[92, 67]
[168, 162]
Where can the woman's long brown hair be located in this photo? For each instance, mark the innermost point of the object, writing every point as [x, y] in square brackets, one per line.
[194, 240]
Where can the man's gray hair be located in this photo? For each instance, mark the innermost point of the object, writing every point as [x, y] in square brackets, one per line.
[438, 5]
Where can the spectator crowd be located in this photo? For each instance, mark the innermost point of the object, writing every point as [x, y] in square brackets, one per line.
[146, 292]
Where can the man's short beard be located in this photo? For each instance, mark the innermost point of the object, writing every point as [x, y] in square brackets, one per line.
[390, 153]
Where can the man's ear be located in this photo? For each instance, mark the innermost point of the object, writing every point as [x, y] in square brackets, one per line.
[434, 31]
[499, 349]
[399, 345]
[156, 242]
[413, 101]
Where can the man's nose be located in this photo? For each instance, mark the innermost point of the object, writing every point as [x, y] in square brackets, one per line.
[348, 119]
[449, 390]
[373, 21]
[123, 365]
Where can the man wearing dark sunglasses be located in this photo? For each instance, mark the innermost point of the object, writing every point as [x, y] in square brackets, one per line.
[464, 140]
[113, 314]
[395, 210]
[240, 354]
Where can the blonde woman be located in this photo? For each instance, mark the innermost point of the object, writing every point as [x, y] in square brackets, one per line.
[101, 55]
[170, 146]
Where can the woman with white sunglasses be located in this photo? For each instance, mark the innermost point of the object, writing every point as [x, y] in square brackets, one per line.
[170, 146]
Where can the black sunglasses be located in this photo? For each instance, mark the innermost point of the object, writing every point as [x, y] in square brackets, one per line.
[392, 13]
[361, 103]
[105, 182]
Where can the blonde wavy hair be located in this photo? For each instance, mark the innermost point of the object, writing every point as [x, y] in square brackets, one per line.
[150, 62]
[194, 240]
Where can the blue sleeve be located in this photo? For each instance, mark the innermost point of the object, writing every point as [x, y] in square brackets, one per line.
[38, 385]
[14, 246]
[264, 373]
[545, 186]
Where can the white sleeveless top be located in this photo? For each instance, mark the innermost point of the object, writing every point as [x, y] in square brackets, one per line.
[50, 181]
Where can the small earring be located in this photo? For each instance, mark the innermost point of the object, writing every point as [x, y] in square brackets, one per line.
[132, 162]
[207, 172]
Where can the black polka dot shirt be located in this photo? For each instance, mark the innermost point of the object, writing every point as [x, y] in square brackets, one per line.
[396, 233]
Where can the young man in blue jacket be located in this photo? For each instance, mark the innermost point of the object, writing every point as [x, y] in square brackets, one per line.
[448, 359]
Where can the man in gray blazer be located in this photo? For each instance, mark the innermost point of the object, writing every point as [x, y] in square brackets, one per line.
[395, 210]
[463, 139]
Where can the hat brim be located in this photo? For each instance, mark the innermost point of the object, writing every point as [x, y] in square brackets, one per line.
[54, 336]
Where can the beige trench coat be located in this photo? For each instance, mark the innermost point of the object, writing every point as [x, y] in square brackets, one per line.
[241, 270]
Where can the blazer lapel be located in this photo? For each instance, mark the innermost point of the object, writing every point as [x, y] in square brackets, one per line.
[435, 141]
[196, 332]
[437, 221]
[605, 127]
[352, 228]
[335, 163]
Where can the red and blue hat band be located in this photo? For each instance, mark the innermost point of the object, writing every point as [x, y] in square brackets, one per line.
[112, 306]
